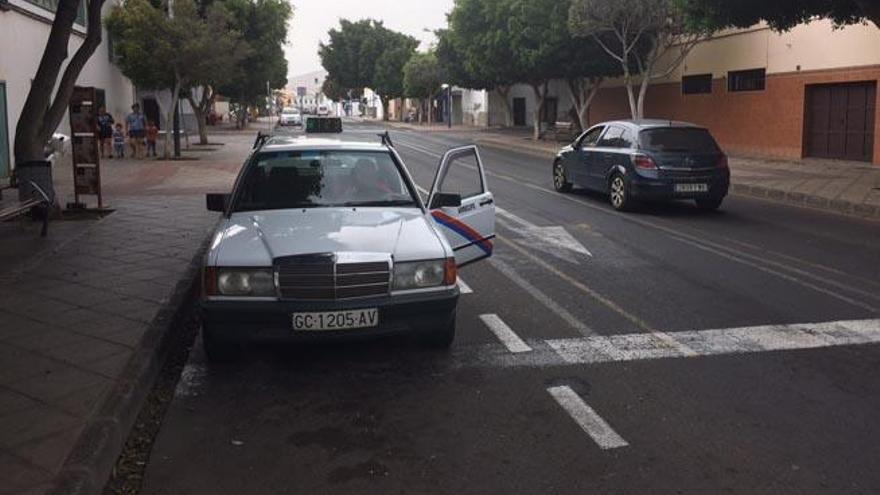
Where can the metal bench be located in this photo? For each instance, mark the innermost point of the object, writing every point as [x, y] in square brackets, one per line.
[38, 206]
[563, 131]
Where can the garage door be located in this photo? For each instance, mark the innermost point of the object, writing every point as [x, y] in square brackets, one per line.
[840, 120]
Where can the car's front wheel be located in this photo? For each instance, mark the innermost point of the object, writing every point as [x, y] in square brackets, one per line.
[560, 181]
[220, 350]
[440, 338]
[618, 193]
[709, 204]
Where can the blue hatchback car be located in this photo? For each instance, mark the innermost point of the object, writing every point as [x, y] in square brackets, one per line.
[633, 160]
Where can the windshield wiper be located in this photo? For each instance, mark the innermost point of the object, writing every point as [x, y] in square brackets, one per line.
[395, 202]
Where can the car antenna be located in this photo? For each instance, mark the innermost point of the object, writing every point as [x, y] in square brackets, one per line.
[386, 139]
[261, 140]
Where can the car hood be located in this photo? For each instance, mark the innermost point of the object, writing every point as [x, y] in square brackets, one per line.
[256, 238]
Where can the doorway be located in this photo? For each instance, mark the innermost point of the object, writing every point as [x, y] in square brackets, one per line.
[151, 111]
[839, 121]
[519, 112]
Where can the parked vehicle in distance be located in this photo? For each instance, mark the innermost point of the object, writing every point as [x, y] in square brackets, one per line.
[328, 239]
[290, 116]
[323, 111]
[634, 160]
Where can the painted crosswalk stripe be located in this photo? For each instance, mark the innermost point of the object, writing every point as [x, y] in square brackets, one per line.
[507, 336]
[584, 415]
[463, 287]
[741, 340]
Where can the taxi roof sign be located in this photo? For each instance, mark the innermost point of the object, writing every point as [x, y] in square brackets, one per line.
[323, 125]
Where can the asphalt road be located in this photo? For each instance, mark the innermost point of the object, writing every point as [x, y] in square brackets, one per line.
[669, 359]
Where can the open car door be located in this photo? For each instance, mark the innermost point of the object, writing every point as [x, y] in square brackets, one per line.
[463, 207]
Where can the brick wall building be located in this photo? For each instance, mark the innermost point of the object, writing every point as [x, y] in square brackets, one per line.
[809, 92]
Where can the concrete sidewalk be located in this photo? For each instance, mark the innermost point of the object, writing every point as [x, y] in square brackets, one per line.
[83, 312]
[850, 188]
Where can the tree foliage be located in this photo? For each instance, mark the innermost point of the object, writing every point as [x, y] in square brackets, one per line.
[263, 28]
[366, 54]
[781, 14]
[648, 38]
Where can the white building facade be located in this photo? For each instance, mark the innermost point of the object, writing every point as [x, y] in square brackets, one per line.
[24, 29]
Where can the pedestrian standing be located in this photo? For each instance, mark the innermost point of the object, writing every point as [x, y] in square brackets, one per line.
[105, 132]
[136, 128]
[119, 141]
[152, 136]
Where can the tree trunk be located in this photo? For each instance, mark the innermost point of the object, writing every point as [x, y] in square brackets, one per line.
[41, 115]
[200, 118]
[429, 103]
[169, 118]
[643, 91]
[583, 91]
[633, 108]
[384, 101]
[540, 90]
[503, 92]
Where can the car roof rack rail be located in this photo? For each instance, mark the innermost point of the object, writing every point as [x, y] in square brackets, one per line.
[386, 139]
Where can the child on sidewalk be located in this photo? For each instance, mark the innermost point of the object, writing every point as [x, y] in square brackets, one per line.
[152, 135]
[119, 141]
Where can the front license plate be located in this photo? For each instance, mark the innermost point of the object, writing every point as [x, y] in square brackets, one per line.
[336, 320]
[691, 188]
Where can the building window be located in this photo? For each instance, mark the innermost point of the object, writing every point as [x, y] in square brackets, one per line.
[52, 6]
[746, 80]
[695, 85]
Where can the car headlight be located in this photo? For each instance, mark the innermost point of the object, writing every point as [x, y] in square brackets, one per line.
[424, 274]
[245, 282]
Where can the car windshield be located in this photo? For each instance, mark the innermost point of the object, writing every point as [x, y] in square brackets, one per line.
[678, 139]
[322, 179]
[289, 111]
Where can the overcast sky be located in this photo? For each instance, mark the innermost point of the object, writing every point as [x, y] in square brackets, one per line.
[313, 18]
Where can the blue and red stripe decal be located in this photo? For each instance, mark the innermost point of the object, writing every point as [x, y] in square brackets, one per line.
[464, 230]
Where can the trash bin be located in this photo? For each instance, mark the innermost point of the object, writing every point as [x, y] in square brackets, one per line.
[38, 171]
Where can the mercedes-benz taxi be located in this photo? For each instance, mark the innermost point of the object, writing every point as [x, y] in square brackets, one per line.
[329, 239]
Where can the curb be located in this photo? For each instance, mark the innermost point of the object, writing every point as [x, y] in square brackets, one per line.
[90, 463]
[840, 207]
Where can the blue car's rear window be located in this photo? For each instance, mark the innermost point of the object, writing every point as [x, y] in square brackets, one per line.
[678, 139]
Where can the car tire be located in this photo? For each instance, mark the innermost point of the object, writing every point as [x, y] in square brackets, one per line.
[440, 338]
[618, 193]
[560, 181]
[219, 350]
[709, 204]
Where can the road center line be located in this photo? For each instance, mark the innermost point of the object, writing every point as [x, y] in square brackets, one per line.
[507, 336]
[584, 415]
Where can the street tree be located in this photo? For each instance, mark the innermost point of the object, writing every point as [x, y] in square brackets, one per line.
[476, 50]
[167, 50]
[422, 80]
[366, 54]
[782, 14]
[648, 38]
[42, 112]
[263, 28]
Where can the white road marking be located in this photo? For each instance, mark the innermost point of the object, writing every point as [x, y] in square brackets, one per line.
[463, 287]
[587, 418]
[540, 296]
[742, 340]
[507, 336]
[552, 239]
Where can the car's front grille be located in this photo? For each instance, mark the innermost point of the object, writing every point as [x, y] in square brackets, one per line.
[322, 278]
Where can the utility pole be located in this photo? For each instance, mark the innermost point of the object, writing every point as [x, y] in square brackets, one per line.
[175, 128]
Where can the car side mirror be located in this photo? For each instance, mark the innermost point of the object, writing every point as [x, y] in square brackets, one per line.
[217, 202]
[444, 200]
